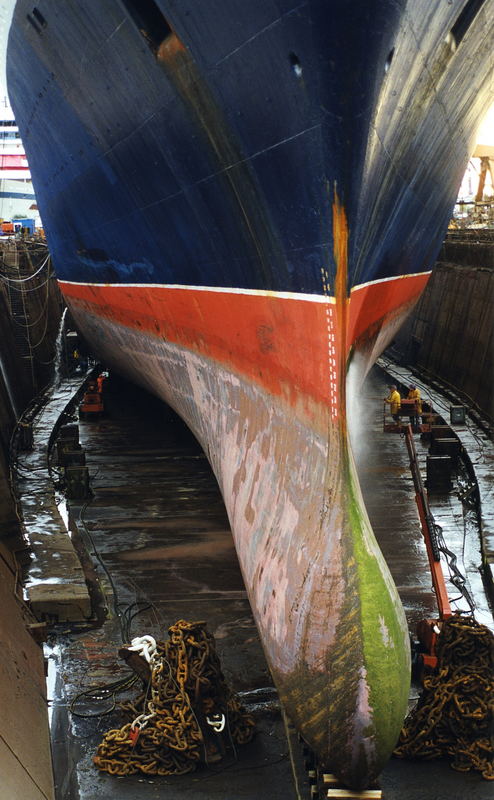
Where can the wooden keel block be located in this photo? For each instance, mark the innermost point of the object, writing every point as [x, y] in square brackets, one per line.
[366, 794]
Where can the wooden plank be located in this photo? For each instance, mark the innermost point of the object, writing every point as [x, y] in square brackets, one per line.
[366, 794]
[17, 782]
[25, 759]
[340, 792]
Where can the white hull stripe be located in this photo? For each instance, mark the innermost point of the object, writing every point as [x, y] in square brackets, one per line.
[311, 298]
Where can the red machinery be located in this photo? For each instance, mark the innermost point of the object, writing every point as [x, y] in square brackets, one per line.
[92, 402]
[428, 630]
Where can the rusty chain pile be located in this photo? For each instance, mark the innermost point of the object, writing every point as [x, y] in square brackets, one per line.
[454, 715]
[183, 716]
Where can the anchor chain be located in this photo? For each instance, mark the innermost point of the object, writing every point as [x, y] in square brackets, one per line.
[174, 723]
[455, 713]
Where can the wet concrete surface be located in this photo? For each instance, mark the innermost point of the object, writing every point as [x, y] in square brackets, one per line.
[54, 578]
[387, 486]
[475, 434]
[157, 532]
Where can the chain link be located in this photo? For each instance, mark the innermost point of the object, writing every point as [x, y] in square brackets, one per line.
[455, 713]
[186, 686]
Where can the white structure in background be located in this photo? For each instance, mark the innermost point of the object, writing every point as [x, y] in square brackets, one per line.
[17, 198]
[481, 161]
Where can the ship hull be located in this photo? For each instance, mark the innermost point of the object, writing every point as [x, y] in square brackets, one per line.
[329, 616]
[242, 209]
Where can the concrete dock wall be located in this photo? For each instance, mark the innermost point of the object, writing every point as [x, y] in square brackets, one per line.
[450, 334]
[30, 311]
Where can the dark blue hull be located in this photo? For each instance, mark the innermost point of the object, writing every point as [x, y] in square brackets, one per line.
[224, 154]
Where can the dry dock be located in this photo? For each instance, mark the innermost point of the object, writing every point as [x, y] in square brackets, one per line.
[156, 531]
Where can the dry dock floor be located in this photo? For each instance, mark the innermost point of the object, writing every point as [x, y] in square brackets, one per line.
[158, 535]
